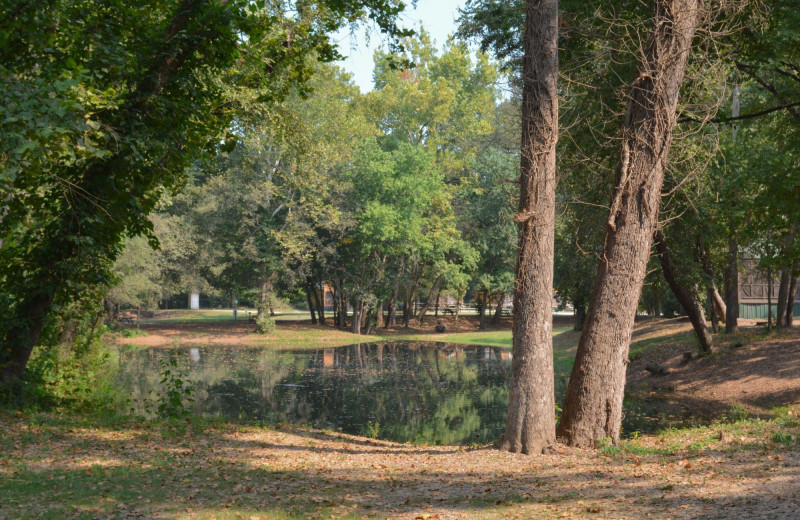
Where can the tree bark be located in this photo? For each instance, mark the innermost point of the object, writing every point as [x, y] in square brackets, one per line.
[783, 297]
[356, 325]
[309, 290]
[579, 315]
[263, 294]
[791, 297]
[718, 302]
[429, 300]
[687, 298]
[391, 317]
[712, 309]
[23, 335]
[482, 311]
[530, 427]
[593, 404]
[320, 300]
[731, 282]
[379, 315]
[770, 283]
[498, 311]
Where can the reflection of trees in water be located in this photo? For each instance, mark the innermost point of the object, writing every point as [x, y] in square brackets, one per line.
[416, 392]
[421, 392]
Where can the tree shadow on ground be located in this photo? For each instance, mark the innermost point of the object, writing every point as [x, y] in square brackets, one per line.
[57, 471]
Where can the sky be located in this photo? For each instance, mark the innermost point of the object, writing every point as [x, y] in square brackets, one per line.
[437, 16]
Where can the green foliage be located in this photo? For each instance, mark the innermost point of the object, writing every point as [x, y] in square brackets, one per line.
[265, 324]
[373, 429]
[106, 103]
[78, 375]
[608, 448]
[176, 390]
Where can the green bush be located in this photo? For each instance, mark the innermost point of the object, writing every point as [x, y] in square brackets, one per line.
[78, 375]
[265, 324]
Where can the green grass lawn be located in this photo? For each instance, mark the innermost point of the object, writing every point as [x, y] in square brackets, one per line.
[499, 338]
[217, 315]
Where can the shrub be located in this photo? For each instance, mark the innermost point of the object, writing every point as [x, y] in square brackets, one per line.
[265, 324]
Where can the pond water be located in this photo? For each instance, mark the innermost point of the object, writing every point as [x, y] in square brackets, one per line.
[435, 393]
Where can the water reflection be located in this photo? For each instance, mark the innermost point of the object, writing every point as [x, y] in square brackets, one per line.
[406, 392]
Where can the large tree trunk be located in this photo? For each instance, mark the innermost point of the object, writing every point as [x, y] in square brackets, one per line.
[530, 427]
[783, 297]
[429, 300]
[731, 282]
[687, 298]
[593, 405]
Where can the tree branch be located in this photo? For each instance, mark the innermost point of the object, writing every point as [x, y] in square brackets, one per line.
[788, 106]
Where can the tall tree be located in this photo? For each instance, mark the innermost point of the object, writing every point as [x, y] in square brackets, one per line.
[593, 405]
[141, 89]
[530, 428]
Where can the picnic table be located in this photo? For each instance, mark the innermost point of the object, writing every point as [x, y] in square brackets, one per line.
[126, 320]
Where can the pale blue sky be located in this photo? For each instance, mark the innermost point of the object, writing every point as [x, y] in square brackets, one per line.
[437, 16]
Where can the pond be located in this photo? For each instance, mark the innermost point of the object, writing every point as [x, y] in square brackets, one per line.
[436, 393]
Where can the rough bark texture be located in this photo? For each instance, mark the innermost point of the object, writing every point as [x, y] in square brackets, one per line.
[530, 427]
[732, 286]
[686, 297]
[783, 297]
[593, 405]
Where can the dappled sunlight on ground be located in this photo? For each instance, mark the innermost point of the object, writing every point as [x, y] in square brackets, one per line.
[223, 471]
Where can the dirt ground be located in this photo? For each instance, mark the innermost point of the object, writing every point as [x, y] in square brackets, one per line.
[753, 371]
[227, 472]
